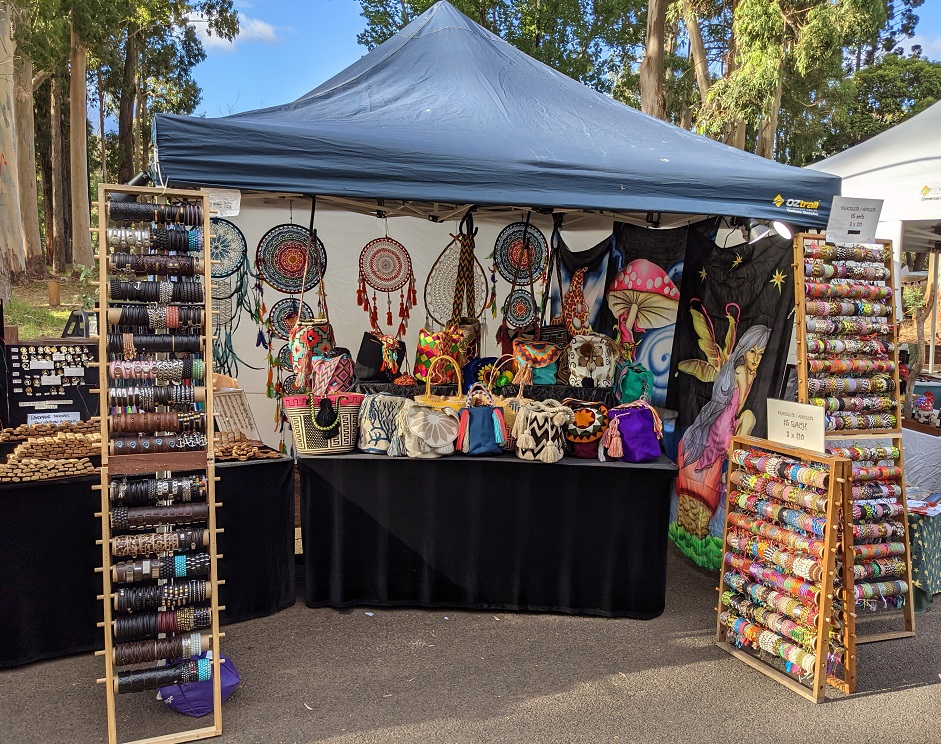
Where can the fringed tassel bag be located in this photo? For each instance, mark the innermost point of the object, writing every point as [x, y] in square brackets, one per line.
[482, 428]
[540, 430]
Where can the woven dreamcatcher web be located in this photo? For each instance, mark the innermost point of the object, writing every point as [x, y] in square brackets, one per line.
[511, 258]
[227, 248]
[283, 315]
[282, 255]
[457, 284]
[521, 310]
[385, 266]
[284, 357]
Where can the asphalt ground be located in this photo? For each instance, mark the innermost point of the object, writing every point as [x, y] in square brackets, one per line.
[375, 675]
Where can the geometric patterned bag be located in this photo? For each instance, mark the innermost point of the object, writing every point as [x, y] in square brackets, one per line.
[432, 344]
[588, 425]
[377, 421]
[540, 430]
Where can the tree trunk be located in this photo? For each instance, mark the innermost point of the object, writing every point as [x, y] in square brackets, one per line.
[82, 253]
[25, 126]
[697, 51]
[12, 258]
[101, 128]
[769, 123]
[41, 101]
[55, 204]
[653, 100]
[126, 109]
[143, 130]
[735, 136]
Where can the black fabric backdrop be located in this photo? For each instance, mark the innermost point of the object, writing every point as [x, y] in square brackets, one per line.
[743, 275]
[577, 537]
[48, 604]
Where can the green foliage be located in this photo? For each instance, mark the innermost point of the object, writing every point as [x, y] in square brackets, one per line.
[87, 290]
[913, 298]
[34, 321]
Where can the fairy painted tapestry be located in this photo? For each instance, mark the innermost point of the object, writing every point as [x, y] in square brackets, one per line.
[733, 330]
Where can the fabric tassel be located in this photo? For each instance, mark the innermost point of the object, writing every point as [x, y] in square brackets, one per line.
[361, 297]
[326, 416]
[524, 376]
[499, 427]
[549, 454]
[611, 440]
[463, 440]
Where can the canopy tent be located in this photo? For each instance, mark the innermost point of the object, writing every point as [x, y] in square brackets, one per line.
[445, 114]
[901, 166]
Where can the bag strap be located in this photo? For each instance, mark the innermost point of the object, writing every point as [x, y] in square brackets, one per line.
[657, 423]
[497, 368]
[312, 242]
[464, 290]
[431, 367]
[554, 263]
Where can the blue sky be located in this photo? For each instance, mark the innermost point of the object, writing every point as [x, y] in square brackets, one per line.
[288, 47]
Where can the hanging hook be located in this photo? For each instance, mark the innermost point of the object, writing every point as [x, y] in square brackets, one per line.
[467, 223]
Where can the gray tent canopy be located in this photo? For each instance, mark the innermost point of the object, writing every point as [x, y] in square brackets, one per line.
[445, 111]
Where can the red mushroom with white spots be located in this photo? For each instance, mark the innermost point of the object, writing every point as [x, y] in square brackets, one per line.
[641, 297]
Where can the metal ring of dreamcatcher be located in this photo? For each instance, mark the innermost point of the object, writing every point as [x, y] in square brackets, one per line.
[227, 248]
[510, 258]
[283, 314]
[289, 386]
[282, 255]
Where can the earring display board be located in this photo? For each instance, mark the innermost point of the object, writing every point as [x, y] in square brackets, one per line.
[158, 509]
[781, 605]
[847, 347]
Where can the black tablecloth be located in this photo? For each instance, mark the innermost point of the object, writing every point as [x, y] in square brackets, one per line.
[535, 392]
[48, 585]
[578, 536]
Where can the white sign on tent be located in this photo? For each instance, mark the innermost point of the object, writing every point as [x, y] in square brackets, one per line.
[853, 220]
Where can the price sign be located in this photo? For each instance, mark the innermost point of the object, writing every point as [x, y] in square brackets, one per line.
[853, 220]
[796, 424]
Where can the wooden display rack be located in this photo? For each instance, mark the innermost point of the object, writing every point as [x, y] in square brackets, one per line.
[158, 465]
[839, 470]
[841, 438]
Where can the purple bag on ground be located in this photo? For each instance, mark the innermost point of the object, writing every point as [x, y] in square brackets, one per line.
[195, 698]
[633, 434]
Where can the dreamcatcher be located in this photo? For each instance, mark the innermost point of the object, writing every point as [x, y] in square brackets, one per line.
[520, 255]
[457, 284]
[282, 254]
[385, 266]
[231, 276]
[283, 316]
[227, 248]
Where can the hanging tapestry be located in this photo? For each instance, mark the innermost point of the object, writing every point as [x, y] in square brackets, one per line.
[587, 288]
[644, 273]
[282, 257]
[733, 330]
[385, 266]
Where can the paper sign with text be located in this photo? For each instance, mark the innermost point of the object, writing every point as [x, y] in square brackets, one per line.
[796, 424]
[853, 220]
[224, 202]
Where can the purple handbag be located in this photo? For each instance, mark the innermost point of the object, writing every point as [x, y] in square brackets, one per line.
[633, 434]
[195, 698]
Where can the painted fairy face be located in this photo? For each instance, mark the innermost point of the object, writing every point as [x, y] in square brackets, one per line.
[753, 358]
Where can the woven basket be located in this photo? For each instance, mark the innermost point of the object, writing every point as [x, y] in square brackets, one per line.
[455, 402]
[308, 439]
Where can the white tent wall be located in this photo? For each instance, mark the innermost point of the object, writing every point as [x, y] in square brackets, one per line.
[344, 234]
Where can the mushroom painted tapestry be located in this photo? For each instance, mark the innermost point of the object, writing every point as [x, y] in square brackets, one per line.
[733, 330]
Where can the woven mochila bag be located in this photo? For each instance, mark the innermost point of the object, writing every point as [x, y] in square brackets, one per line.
[377, 421]
[482, 429]
[589, 419]
[540, 430]
[423, 431]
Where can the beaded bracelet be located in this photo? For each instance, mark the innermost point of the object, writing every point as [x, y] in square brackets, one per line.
[782, 535]
[794, 608]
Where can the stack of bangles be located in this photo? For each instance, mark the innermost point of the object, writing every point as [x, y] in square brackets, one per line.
[793, 540]
[786, 605]
[179, 566]
[879, 568]
[177, 238]
[875, 590]
[161, 317]
[862, 308]
[772, 620]
[865, 454]
[860, 253]
[846, 271]
[159, 542]
[840, 386]
[868, 491]
[180, 646]
[161, 214]
[878, 550]
[877, 530]
[793, 585]
[840, 366]
[170, 596]
[144, 517]
[795, 563]
[856, 404]
[142, 491]
[867, 347]
[847, 291]
[759, 484]
[757, 461]
[160, 444]
[172, 421]
[868, 511]
[147, 397]
[132, 344]
[194, 670]
[850, 421]
[162, 292]
[847, 326]
[767, 640]
[876, 473]
[169, 622]
[779, 512]
[162, 370]
[155, 264]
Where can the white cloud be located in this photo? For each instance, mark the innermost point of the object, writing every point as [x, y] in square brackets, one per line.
[250, 29]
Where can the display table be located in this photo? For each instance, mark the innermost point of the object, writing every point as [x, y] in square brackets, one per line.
[925, 536]
[496, 533]
[48, 556]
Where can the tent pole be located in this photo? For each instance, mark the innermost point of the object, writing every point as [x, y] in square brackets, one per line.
[933, 261]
